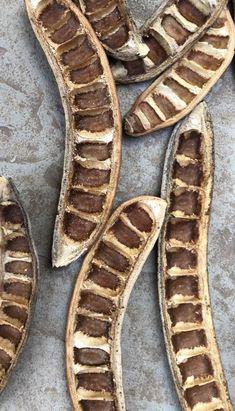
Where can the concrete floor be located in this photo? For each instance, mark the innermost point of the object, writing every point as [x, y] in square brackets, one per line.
[32, 149]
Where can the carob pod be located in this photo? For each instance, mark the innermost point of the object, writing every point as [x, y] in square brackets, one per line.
[176, 92]
[114, 27]
[183, 280]
[104, 284]
[18, 271]
[93, 124]
[169, 34]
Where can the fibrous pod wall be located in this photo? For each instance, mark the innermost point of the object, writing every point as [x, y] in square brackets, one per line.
[169, 34]
[114, 27]
[176, 92]
[100, 297]
[18, 278]
[93, 124]
[183, 280]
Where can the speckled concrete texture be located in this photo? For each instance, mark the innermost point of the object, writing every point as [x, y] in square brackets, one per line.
[32, 149]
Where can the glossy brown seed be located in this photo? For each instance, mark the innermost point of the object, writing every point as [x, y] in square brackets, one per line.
[16, 312]
[204, 60]
[96, 381]
[175, 30]
[181, 258]
[118, 38]
[182, 285]
[191, 13]
[10, 333]
[78, 56]
[134, 67]
[5, 360]
[19, 289]
[156, 52]
[190, 144]
[112, 258]
[66, 32]
[125, 235]
[52, 14]
[96, 303]
[191, 76]
[89, 203]
[90, 177]
[179, 90]
[87, 74]
[97, 405]
[94, 122]
[150, 113]
[18, 244]
[94, 151]
[190, 174]
[187, 201]
[137, 124]
[92, 99]
[139, 218]
[182, 230]
[95, 5]
[92, 326]
[91, 356]
[77, 228]
[187, 313]
[166, 107]
[198, 367]
[19, 267]
[12, 214]
[104, 278]
[107, 22]
[189, 340]
[201, 394]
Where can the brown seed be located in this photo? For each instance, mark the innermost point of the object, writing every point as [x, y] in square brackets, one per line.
[95, 5]
[139, 218]
[107, 22]
[187, 313]
[183, 230]
[206, 61]
[118, 38]
[156, 52]
[52, 14]
[94, 151]
[191, 13]
[18, 244]
[190, 144]
[174, 29]
[78, 56]
[104, 278]
[198, 367]
[96, 303]
[166, 107]
[182, 285]
[187, 201]
[77, 228]
[66, 32]
[96, 381]
[125, 235]
[12, 214]
[92, 99]
[181, 258]
[191, 174]
[189, 340]
[150, 113]
[94, 122]
[134, 67]
[90, 177]
[86, 202]
[112, 258]
[87, 74]
[201, 394]
[19, 289]
[16, 312]
[179, 90]
[91, 356]
[19, 267]
[5, 360]
[97, 405]
[92, 326]
[191, 76]
[10, 333]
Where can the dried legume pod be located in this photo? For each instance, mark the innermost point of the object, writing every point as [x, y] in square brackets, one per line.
[19, 270]
[93, 124]
[176, 92]
[100, 297]
[113, 25]
[169, 34]
[183, 280]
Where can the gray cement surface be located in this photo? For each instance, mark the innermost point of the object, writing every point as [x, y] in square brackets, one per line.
[31, 151]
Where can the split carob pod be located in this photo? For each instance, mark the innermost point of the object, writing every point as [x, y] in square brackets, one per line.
[93, 124]
[169, 34]
[19, 269]
[102, 290]
[177, 91]
[183, 280]
[114, 27]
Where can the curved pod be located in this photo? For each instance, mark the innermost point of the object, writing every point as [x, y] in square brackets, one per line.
[183, 279]
[93, 125]
[169, 34]
[114, 27]
[176, 92]
[18, 271]
[100, 297]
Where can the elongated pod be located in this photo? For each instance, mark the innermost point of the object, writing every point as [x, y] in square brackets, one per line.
[113, 25]
[176, 92]
[169, 34]
[18, 278]
[104, 284]
[93, 125]
[183, 280]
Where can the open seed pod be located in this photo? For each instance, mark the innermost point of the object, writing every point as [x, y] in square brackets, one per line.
[114, 27]
[102, 290]
[183, 280]
[169, 34]
[19, 269]
[93, 124]
[177, 91]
